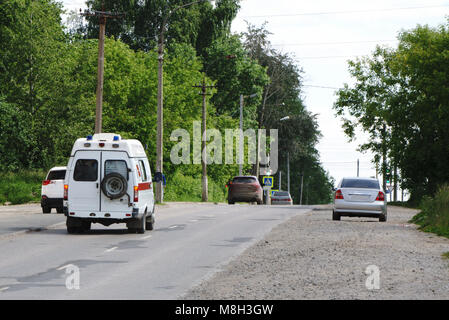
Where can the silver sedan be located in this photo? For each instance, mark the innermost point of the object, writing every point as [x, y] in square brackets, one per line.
[281, 197]
[359, 197]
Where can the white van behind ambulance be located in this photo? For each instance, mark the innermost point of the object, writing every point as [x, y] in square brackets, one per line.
[108, 181]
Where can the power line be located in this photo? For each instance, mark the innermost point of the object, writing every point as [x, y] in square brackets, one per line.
[344, 12]
[344, 162]
[330, 57]
[321, 87]
[330, 43]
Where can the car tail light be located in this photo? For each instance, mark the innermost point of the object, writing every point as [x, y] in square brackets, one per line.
[380, 196]
[136, 194]
[339, 195]
[66, 192]
[46, 182]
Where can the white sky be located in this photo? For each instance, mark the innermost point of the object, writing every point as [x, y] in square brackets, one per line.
[322, 35]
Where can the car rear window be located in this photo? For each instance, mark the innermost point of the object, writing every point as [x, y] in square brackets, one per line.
[56, 175]
[360, 183]
[86, 170]
[244, 180]
[281, 194]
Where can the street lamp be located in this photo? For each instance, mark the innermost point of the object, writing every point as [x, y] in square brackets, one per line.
[241, 132]
[288, 160]
[160, 96]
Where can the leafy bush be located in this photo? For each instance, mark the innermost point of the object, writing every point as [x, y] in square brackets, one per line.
[434, 215]
[188, 188]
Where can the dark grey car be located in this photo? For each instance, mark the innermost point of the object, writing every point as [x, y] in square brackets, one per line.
[245, 189]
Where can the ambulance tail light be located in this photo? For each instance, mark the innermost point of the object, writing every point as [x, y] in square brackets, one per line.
[136, 194]
[66, 192]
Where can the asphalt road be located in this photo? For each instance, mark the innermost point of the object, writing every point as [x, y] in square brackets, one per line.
[190, 243]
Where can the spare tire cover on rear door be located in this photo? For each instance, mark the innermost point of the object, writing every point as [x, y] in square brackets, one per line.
[114, 185]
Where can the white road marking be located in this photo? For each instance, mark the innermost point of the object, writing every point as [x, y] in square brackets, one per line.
[194, 220]
[64, 267]
[172, 227]
[146, 237]
[111, 249]
[4, 289]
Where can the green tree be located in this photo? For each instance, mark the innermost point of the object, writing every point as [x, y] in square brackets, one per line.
[281, 97]
[227, 62]
[400, 98]
[368, 105]
[197, 24]
[14, 137]
[32, 39]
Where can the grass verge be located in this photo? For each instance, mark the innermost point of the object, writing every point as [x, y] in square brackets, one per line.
[434, 215]
[21, 187]
[404, 204]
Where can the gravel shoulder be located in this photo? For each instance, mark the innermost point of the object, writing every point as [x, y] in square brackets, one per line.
[312, 257]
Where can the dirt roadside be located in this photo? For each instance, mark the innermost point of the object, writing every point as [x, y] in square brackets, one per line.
[312, 257]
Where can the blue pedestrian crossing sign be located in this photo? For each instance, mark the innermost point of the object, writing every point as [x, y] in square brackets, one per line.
[267, 181]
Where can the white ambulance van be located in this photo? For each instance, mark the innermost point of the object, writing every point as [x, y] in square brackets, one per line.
[108, 181]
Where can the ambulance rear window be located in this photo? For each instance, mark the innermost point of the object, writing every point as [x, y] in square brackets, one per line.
[144, 171]
[86, 170]
[118, 166]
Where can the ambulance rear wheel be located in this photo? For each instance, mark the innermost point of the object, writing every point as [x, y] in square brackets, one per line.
[85, 226]
[74, 225]
[142, 224]
[150, 223]
[137, 225]
[72, 230]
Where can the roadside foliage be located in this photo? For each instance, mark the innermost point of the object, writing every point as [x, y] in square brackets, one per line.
[48, 78]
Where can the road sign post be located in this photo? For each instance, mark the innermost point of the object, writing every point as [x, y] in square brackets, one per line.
[267, 182]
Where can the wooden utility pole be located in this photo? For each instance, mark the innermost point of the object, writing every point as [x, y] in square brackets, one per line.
[384, 158]
[102, 16]
[160, 113]
[358, 167]
[395, 181]
[159, 187]
[204, 87]
[288, 172]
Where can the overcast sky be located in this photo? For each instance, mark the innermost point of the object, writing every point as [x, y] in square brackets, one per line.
[322, 35]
